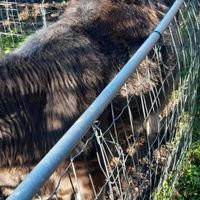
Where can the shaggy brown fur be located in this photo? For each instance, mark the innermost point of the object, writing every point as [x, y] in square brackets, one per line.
[49, 81]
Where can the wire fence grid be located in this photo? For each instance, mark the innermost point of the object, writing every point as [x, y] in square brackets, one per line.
[138, 151]
[19, 19]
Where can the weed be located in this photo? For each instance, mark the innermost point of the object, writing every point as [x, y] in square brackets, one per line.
[12, 41]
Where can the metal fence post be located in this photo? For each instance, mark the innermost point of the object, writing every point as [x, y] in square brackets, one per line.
[43, 11]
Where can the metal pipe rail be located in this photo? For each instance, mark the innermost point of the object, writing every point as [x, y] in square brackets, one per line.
[37, 178]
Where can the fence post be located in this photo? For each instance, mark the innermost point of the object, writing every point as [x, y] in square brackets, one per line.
[43, 11]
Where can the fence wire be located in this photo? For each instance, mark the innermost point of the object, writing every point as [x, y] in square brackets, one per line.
[140, 152]
[19, 19]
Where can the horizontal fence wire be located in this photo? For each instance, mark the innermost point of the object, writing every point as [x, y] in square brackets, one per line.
[139, 150]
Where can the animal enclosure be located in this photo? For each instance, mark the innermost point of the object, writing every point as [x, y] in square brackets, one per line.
[139, 127]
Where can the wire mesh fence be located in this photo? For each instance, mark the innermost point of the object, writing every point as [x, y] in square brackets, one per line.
[19, 19]
[135, 149]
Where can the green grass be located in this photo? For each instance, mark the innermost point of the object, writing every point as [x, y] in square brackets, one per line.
[12, 41]
[188, 186]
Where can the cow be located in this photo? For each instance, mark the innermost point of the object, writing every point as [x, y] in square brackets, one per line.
[52, 78]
